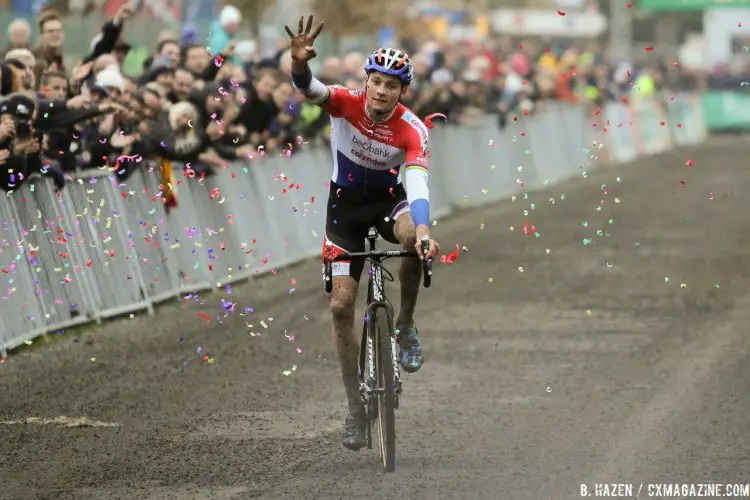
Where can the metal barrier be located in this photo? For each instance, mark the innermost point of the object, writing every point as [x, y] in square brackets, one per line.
[105, 246]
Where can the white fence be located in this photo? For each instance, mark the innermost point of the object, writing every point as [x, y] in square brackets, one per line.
[106, 246]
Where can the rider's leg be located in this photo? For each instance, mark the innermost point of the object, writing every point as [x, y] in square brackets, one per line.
[341, 300]
[346, 232]
[410, 273]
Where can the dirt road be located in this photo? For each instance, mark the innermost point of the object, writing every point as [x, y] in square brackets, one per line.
[568, 358]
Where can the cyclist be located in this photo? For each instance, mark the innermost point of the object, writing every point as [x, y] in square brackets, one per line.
[373, 137]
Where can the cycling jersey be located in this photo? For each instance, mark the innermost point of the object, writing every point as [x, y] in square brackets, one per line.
[368, 154]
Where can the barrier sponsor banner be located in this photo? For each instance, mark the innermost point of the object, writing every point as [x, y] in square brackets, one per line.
[690, 5]
[106, 246]
[725, 111]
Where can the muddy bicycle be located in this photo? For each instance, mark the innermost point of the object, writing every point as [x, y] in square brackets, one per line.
[379, 377]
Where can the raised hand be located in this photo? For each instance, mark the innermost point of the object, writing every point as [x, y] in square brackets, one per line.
[125, 12]
[302, 42]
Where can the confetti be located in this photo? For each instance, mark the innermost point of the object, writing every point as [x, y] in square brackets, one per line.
[428, 119]
[450, 258]
[289, 372]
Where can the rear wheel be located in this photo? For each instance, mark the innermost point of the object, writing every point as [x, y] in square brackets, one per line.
[386, 420]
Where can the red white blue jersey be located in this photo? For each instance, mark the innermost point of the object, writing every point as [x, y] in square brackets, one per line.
[367, 153]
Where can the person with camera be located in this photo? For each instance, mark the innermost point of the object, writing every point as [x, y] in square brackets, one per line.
[20, 145]
[25, 136]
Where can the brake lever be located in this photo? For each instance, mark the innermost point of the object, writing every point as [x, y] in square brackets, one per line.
[426, 264]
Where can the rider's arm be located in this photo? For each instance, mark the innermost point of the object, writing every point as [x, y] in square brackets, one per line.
[336, 101]
[313, 89]
[415, 178]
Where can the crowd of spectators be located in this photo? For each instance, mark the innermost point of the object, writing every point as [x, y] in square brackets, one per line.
[202, 110]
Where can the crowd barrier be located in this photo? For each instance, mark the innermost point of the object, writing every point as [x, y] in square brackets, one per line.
[727, 111]
[104, 247]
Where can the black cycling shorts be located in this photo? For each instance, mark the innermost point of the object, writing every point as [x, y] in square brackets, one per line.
[351, 212]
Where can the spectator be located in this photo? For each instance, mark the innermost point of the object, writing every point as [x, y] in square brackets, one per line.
[259, 110]
[331, 73]
[120, 48]
[19, 35]
[170, 50]
[440, 97]
[354, 66]
[198, 61]
[109, 39]
[54, 86]
[48, 51]
[162, 72]
[26, 67]
[246, 53]
[182, 84]
[281, 128]
[313, 122]
[189, 143]
[13, 77]
[285, 62]
[189, 36]
[17, 138]
[224, 29]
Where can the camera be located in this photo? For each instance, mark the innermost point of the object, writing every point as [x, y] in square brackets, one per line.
[23, 127]
[21, 109]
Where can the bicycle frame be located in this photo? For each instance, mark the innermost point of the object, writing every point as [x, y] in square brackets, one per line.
[376, 300]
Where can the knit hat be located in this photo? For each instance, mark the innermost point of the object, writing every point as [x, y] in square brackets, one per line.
[189, 35]
[229, 15]
[110, 77]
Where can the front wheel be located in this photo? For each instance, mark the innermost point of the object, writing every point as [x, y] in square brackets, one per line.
[385, 388]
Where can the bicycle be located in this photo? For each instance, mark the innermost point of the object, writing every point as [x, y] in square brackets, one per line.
[380, 382]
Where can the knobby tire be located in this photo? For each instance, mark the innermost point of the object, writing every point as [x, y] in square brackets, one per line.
[386, 399]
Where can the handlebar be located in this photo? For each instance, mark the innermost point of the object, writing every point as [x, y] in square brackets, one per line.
[381, 255]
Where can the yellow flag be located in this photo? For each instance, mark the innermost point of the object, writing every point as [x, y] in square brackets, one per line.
[483, 26]
[168, 185]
